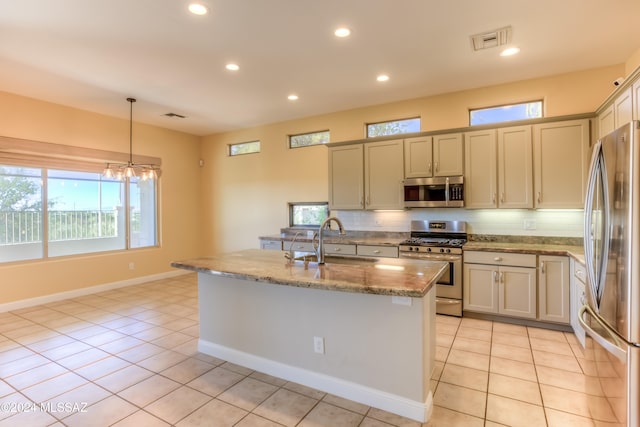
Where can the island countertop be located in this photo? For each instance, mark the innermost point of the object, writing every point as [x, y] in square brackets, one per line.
[381, 276]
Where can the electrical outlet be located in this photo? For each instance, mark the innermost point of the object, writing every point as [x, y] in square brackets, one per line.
[132, 266]
[318, 345]
[529, 224]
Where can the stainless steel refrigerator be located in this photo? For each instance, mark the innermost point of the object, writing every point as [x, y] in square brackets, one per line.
[611, 313]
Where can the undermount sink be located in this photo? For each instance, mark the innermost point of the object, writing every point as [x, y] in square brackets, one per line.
[328, 259]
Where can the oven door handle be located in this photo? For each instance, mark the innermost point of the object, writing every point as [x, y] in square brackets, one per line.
[447, 301]
[430, 257]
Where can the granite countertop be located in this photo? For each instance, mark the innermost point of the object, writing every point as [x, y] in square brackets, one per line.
[381, 276]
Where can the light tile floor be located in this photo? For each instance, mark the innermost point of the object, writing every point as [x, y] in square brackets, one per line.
[128, 357]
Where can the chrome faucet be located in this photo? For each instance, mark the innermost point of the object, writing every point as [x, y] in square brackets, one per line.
[327, 224]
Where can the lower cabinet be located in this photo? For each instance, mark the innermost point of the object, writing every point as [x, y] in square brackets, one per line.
[512, 285]
[496, 288]
[273, 245]
[553, 289]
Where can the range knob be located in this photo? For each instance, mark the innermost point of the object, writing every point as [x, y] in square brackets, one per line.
[428, 249]
[441, 250]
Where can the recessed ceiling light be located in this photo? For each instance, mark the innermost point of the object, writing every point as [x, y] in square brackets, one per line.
[292, 97]
[510, 51]
[232, 67]
[382, 78]
[198, 9]
[342, 32]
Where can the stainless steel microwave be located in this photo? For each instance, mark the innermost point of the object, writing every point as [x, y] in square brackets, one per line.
[436, 192]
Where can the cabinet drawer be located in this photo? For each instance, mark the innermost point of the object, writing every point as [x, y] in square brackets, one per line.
[298, 246]
[273, 245]
[500, 258]
[382, 251]
[339, 249]
[580, 272]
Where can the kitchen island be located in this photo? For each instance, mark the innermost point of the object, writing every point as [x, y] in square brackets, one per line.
[362, 329]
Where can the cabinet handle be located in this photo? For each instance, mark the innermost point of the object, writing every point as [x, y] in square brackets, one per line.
[497, 259]
[538, 197]
[542, 267]
[429, 167]
[501, 277]
[337, 249]
[495, 276]
[437, 168]
[493, 199]
[502, 197]
[377, 251]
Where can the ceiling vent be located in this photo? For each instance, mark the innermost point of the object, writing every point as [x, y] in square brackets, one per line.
[495, 38]
[178, 116]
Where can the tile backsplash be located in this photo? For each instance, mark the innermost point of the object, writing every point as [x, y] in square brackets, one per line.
[565, 223]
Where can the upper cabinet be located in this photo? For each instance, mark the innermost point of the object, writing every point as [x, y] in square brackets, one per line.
[498, 168]
[439, 155]
[561, 163]
[617, 113]
[383, 175]
[366, 176]
[346, 177]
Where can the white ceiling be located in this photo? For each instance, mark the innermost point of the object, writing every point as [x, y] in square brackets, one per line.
[93, 54]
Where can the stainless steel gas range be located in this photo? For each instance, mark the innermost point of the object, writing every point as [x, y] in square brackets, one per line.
[440, 241]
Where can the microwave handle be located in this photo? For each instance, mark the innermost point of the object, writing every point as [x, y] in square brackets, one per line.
[446, 190]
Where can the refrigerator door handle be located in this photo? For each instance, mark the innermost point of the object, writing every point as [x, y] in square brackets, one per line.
[618, 349]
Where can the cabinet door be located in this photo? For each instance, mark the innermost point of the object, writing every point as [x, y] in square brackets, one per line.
[384, 172]
[561, 162]
[418, 158]
[623, 108]
[480, 180]
[480, 288]
[606, 121]
[515, 168]
[448, 155]
[553, 287]
[517, 292]
[346, 177]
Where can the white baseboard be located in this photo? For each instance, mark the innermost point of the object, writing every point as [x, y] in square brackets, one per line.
[59, 296]
[419, 411]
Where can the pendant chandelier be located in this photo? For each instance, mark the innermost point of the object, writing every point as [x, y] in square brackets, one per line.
[130, 169]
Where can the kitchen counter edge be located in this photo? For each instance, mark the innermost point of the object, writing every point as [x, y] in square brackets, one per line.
[415, 280]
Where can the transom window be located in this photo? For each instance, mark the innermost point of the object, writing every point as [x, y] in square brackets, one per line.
[308, 139]
[505, 113]
[244, 148]
[393, 127]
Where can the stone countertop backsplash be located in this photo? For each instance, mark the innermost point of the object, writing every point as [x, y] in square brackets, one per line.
[353, 237]
[540, 245]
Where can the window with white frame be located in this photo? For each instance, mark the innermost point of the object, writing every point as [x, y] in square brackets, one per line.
[307, 214]
[505, 113]
[61, 207]
[244, 148]
[309, 139]
[393, 127]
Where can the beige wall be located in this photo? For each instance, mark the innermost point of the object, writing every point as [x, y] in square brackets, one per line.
[246, 196]
[179, 197]
[230, 202]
